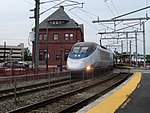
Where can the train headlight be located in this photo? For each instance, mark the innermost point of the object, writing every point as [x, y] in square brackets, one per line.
[88, 68]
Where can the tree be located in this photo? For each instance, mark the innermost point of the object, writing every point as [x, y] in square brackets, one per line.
[27, 54]
[148, 58]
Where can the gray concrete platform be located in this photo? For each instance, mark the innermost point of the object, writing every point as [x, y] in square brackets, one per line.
[139, 101]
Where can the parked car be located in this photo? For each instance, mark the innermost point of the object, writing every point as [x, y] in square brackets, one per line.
[16, 63]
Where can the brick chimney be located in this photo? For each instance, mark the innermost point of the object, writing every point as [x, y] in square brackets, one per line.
[61, 7]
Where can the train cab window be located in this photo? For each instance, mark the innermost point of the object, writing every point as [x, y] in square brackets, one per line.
[83, 49]
[76, 50]
[80, 49]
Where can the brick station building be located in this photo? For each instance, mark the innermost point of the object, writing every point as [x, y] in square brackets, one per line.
[62, 33]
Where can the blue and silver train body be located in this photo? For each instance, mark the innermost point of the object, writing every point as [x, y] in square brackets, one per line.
[87, 55]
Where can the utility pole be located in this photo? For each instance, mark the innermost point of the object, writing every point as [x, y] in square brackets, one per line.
[37, 7]
[36, 29]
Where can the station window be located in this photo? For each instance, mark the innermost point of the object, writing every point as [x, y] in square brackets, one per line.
[40, 37]
[55, 36]
[60, 22]
[53, 22]
[71, 36]
[40, 55]
[66, 36]
[56, 22]
[45, 36]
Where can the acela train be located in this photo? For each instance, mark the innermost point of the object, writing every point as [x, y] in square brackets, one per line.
[88, 55]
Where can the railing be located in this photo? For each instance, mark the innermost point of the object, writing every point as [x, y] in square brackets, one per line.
[11, 71]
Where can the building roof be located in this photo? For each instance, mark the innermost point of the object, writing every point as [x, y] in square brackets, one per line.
[59, 15]
[20, 46]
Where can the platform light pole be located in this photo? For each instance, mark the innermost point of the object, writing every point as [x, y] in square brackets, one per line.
[61, 57]
[4, 51]
[47, 55]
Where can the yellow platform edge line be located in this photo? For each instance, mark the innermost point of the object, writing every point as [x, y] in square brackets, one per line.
[114, 101]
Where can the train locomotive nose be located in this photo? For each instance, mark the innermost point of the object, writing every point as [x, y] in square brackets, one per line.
[75, 65]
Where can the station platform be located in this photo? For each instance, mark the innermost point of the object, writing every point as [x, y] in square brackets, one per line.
[133, 96]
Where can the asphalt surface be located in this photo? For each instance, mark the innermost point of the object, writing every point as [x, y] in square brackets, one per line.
[139, 101]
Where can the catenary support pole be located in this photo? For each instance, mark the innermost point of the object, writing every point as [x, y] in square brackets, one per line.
[144, 44]
[130, 54]
[136, 53]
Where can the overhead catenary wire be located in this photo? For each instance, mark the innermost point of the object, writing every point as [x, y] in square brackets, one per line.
[109, 7]
[52, 7]
[28, 2]
[74, 13]
[86, 12]
[50, 1]
[146, 9]
[129, 13]
[84, 20]
[114, 7]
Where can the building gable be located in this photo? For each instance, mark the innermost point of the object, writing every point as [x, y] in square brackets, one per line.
[59, 19]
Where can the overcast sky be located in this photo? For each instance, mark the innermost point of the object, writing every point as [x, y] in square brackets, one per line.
[15, 24]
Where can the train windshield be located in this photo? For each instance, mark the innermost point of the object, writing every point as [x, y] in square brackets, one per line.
[80, 49]
[83, 49]
[76, 50]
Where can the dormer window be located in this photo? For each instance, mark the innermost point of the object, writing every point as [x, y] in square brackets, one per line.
[57, 22]
[50, 22]
[60, 22]
[53, 22]
[63, 22]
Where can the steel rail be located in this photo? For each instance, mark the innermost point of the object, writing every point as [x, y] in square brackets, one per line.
[82, 103]
[56, 98]
[33, 90]
[32, 86]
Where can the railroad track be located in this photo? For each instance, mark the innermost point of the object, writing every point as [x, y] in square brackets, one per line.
[63, 101]
[9, 93]
[78, 105]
